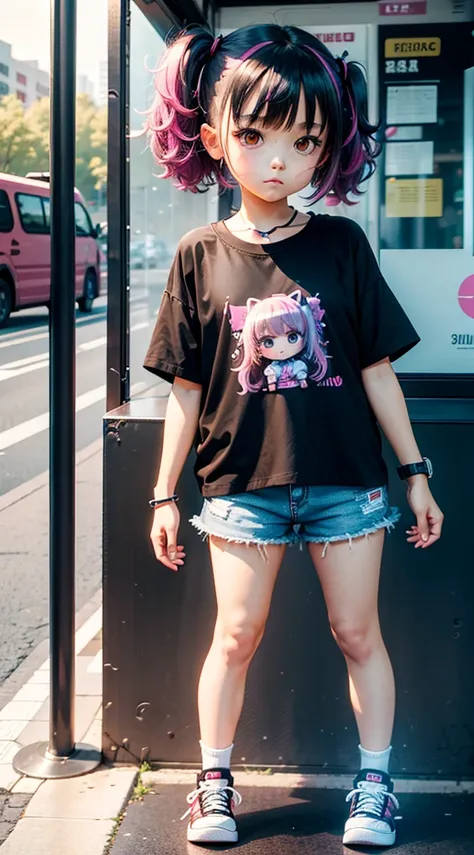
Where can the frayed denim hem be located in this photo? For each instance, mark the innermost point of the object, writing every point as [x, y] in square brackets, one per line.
[206, 532]
[388, 524]
[290, 540]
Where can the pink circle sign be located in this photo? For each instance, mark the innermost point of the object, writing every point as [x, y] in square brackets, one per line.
[466, 296]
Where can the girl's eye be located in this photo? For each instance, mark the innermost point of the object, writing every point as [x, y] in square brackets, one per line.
[267, 342]
[307, 145]
[293, 337]
[250, 138]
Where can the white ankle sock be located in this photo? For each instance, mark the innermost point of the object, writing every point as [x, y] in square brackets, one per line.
[378, 760]
[215, 758]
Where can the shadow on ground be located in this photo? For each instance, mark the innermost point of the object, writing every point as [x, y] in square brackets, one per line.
[289, 822]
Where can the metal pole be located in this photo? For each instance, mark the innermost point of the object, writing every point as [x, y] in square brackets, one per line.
[60, 758]
[118, 207]
[62, 379]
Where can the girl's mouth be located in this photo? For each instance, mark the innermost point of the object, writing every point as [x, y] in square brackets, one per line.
[273, 181]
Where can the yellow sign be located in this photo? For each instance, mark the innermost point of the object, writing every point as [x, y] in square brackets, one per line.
[397, 48]
[414, 197]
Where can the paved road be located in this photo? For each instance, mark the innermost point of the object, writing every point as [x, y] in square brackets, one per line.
[24, 393]
[24, 437]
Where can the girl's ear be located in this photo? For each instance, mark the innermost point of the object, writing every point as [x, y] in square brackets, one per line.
[296, 295]
[251, 302]
[210, 140]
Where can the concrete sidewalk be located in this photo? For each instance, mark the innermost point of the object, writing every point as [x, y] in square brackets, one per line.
[77, 814]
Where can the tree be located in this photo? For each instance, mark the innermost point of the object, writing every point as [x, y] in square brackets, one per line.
[24, 141]
[38, 119]
[91, 146]
[20, 148]
[98, 164]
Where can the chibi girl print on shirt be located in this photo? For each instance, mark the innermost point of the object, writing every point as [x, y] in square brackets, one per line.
[280, 342]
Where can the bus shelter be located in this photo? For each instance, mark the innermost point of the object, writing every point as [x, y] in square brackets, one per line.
[158, 625]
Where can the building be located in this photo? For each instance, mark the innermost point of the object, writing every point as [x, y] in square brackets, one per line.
[84, 86]
[23, 78]
[29, 82]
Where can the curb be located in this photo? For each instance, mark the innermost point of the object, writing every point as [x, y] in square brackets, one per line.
[291, 780]
[74, 814]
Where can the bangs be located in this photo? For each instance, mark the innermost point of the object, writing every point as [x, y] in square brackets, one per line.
[279, 324]
[278, 90]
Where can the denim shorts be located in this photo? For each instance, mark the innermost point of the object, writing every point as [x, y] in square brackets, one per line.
[292, 514]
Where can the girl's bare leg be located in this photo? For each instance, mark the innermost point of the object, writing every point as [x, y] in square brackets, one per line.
[244, 579]
[350, 582]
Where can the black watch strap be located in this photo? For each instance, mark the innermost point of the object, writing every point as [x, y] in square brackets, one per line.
[423, 467]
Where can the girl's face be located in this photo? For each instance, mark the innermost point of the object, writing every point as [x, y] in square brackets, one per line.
[272, 163]
[281, 346]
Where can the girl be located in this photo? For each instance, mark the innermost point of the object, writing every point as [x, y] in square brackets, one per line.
[285, 418]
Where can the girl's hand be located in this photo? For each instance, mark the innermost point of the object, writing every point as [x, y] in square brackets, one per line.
[429, 518]
[164, 534]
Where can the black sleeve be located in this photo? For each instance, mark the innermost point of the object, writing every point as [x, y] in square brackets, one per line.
[175, 346]
[383, 327]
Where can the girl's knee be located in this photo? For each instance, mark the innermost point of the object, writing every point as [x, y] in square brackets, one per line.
[237, 642]
[357, 641]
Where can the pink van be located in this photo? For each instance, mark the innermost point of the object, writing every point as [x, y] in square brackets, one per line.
[25, 247]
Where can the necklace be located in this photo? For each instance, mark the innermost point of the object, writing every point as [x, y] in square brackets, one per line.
[265, 234]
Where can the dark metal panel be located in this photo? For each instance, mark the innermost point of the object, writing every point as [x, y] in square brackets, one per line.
[118, 206]
[437, 385]
[158, 626]
[442, 410]
[185, 11]
[160, 16]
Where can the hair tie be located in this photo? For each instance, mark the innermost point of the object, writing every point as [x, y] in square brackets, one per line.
[341, 60]
[213, 48]
[215, 45]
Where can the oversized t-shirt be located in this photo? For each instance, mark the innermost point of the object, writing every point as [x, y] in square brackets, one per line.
[278, 335]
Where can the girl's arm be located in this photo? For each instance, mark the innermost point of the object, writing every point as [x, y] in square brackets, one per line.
[181, 421]
[388, 404]
[182, 415]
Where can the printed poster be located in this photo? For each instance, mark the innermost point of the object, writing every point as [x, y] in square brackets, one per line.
[414, 197]
[409, 158]
[412, 105]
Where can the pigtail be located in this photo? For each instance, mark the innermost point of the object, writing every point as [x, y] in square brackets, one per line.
[178, 110]
[359, 148]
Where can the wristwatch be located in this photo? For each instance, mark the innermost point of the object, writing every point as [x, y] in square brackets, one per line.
[425, 467]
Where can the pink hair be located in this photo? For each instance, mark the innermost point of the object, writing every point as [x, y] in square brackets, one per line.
[273, 316]
[173, 129]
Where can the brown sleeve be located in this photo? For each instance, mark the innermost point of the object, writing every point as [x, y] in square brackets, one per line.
[175, 346]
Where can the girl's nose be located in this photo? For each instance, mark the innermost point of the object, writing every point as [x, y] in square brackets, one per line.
[277, 162]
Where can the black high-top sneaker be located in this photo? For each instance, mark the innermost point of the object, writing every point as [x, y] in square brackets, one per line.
[211, 815]
[371, 821]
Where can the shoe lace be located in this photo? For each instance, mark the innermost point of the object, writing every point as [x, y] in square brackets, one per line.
[213, 798]
[372, 801]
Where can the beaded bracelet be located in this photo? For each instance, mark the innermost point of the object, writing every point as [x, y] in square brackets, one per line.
[155, 503]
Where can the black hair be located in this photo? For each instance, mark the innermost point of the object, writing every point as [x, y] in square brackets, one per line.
[185, 83]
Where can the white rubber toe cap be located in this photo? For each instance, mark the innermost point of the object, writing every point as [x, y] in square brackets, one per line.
[363, 831]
